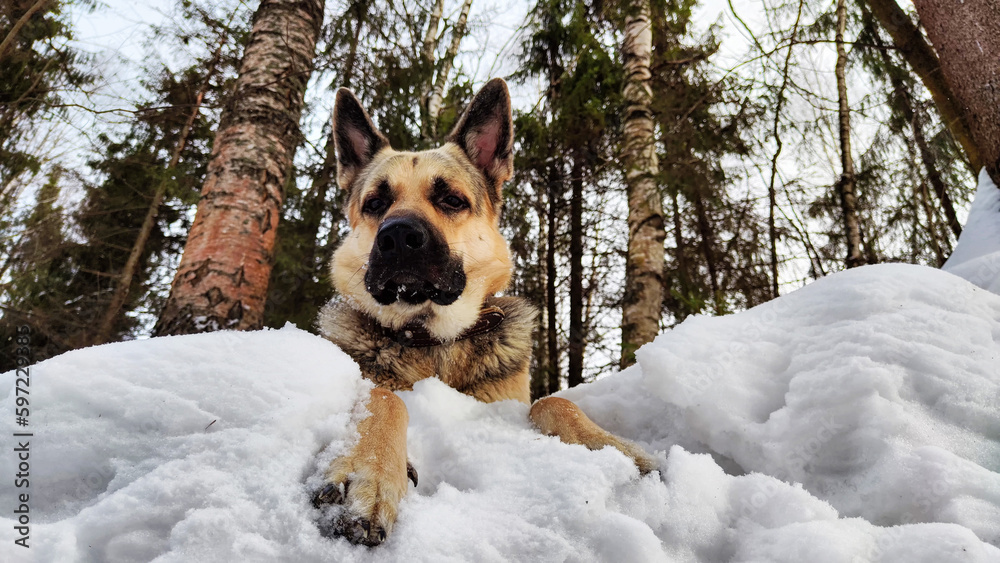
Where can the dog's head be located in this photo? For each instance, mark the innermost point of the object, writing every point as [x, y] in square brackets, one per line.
[425, 243]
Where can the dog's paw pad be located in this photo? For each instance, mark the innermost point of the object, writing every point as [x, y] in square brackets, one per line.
[355, 530]
[331, 493]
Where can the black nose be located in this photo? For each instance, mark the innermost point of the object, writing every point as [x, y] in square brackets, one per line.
[401, 235]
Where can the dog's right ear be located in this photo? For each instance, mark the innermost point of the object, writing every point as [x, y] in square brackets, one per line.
[355, 136]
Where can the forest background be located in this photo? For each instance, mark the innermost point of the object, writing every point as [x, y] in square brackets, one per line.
[108, 113]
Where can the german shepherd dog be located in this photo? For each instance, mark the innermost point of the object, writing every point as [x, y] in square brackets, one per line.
[417, 279]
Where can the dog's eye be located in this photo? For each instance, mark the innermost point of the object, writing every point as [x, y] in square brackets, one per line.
[373, 206]
[453, 203]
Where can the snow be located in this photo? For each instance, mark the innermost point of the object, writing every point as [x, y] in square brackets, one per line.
[977, 256]
[857, 419]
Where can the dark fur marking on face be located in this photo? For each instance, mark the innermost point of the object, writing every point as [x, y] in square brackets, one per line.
[378, 201]
[440, 188]
[446, 199]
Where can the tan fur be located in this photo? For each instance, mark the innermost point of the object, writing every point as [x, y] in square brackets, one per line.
[490, 366]
[376, 467]
[473, 235]
[556, 416]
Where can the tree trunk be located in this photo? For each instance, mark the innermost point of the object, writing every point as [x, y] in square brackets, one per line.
[223, 276]
[932, 229]
[966, 36]
[927, 157]
[9, 38]
[540, 377]
[846, 184]
[552, 334]
[679, 250]
[934, 175]
[427, 54]
[457, 34]
[921, 58]
[644, 263]
[707, 238]
[574, 376]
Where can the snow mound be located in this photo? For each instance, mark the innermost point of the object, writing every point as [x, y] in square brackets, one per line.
[877, 389]
[854, 420]
[977, 255]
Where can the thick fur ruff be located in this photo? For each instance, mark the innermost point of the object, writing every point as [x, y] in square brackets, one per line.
[491, 366]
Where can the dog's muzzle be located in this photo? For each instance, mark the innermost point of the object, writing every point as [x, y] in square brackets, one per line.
[409, 262]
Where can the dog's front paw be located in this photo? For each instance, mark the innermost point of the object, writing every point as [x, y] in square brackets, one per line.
[368, 496]
[362, 490]
[361, 511]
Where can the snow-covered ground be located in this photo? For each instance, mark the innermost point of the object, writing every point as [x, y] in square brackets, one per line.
[857, 419]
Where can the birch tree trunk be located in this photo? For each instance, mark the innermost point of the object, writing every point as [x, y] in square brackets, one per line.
[427, 54]
[222, 279]
[966, 36]
[645, 261]
[846, 184]
[924, 62]
[434, 105]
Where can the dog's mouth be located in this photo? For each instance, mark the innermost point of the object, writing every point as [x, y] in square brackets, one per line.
[412, 289]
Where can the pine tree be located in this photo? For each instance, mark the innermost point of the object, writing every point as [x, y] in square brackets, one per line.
[700, 119]
[36, 64]
[924, 61]
[561, 171]
[79, 294]
[35, 261]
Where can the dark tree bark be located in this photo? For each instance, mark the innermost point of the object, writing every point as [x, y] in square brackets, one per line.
[966, 36]
[846, 184]
[707, 238]
[574, 376]
[223, 276]
[540, 377]
[551, 331]
[924, 62]
[679, 244]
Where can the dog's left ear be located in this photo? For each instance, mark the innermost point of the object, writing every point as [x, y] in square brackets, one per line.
[486, 133]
